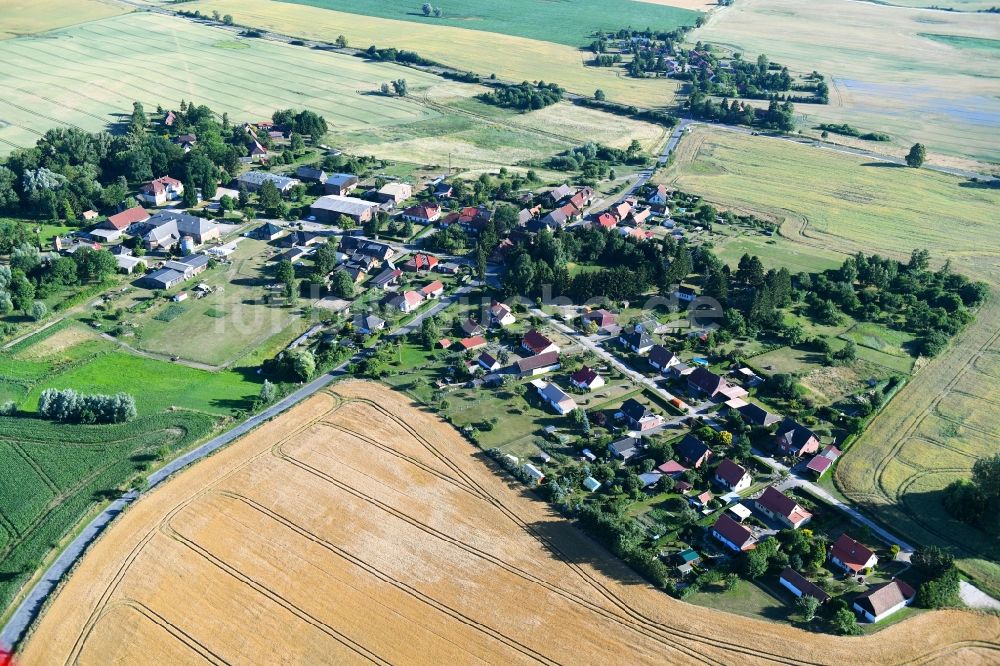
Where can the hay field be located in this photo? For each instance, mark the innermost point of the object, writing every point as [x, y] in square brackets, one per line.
[886, 76]
[89, 75]
[358, 528]
[535, 19]
[510, 57]
[28, 17]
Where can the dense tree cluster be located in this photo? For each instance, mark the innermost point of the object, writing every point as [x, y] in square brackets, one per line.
[609, 524]
[777, 116]
[940, 587]
[595, 160]
[68, 406]
[524, 96]
[850, 130]
[31, 276]
[977, 502]
[304, 123]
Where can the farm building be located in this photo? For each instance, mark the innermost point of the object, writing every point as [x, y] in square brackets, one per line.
[474, 342]
[253, 180]
[394, 193]
[123, 220]
[823, 460]
[163, 278]
[536, 475]
[311, 174]
[166, 229]
[329, 208]
[798, 585]
[881, 601]
[775, 504]
[340, 184]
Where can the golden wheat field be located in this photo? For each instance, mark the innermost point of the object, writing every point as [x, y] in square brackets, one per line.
[358, 528]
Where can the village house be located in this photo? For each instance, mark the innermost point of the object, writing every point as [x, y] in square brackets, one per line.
[713, 385]
[328, 209]
[266, 232]
[557, 194]
[661, 358]
[536, 343]
[554, 396]
[340, 184]
[672, 468]
[621, 211]
[693, 451]
[501, 315]
[583, 198]
[625, 448]
[370, 324]
[638, 416]
[685, 294]
[823, 461]
[442, 190]
[488, 362]
[408, 301]
[161, 190]
[731, 476]
[128, 263]
[357, 245]
[602, 318]
[553, 220]
[432, 290]
[538, 364]
[702, 500]
[775, 504]
[852, 556]
[125, 219]
[881, 601]
[394, 193]
[659, 195]
[793, 439]
[536, 475]
[472, 343]
[638, 341]
[755, 415]
[471, 218]
[586, 379]
[472, 327]
[420, 262]
[424, 213]
[798, 585]
[732, 535]
[253, 180]
[386, 279]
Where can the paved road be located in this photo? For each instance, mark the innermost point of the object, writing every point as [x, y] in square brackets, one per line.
[29, 608]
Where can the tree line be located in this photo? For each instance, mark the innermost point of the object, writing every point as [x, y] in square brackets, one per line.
[68, 406]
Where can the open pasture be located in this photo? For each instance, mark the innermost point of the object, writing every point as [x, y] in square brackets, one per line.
[359, 528]
[839, 202]
[28, 17]
[885, 75]
[88, 76]
[507, 55]
[533, 19]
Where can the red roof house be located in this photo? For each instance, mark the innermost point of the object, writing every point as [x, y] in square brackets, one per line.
[733, 536]
[782, 508]
[536, 343]
[126, 218]
[732, 476]
[587, 379]
[851, 556]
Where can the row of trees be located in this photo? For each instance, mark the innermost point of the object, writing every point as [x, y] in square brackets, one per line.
[68, 406]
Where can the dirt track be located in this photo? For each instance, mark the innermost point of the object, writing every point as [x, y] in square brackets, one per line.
[359, 528]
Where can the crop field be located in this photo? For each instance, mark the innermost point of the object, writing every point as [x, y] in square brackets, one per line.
[509, 56]
[359, 528]
[27, 17]
[886, 75]
[841, 202]
[88, 76]
[533, 19]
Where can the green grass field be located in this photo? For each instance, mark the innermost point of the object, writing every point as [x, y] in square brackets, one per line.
[974, 43]
[549, 21]
[86, 75]
[884, 73]
[836, 202]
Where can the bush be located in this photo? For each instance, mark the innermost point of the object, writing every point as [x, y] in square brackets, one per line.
[68, 406]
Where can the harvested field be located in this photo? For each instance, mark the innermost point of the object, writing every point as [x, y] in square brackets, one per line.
[885, 73]
[359, 528]
[509, 56]
[27, 17]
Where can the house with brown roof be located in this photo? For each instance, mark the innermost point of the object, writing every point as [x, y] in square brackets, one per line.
[793, 439]
[432, 289]
[706, 382]
[538, 364]
[756, 415]
[852, 556]
[123, 220]
[672, 468]
[536, 343]
[733, 536]
[662, 358]
[583, 197]
[603, 318]
[881, 601]
[586, 379]
[800, 586]
[161, 190]
[501, 315]
[472, 327]
[489, 363]
[823, 461]
[775, 504]
[638, 416]
[621, 211]
[731, 476]
[557, 194]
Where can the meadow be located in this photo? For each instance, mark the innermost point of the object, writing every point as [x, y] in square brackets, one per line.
[509, 56]
[549, 21]
[434, 556]
[885, 74]
[88, 75]
[23, 18]
[830, 202]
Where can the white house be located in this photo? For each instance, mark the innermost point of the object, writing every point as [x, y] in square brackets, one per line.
[881, 601]
[732, 476]
[161, 190]
[537, 476]
[555, 396]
